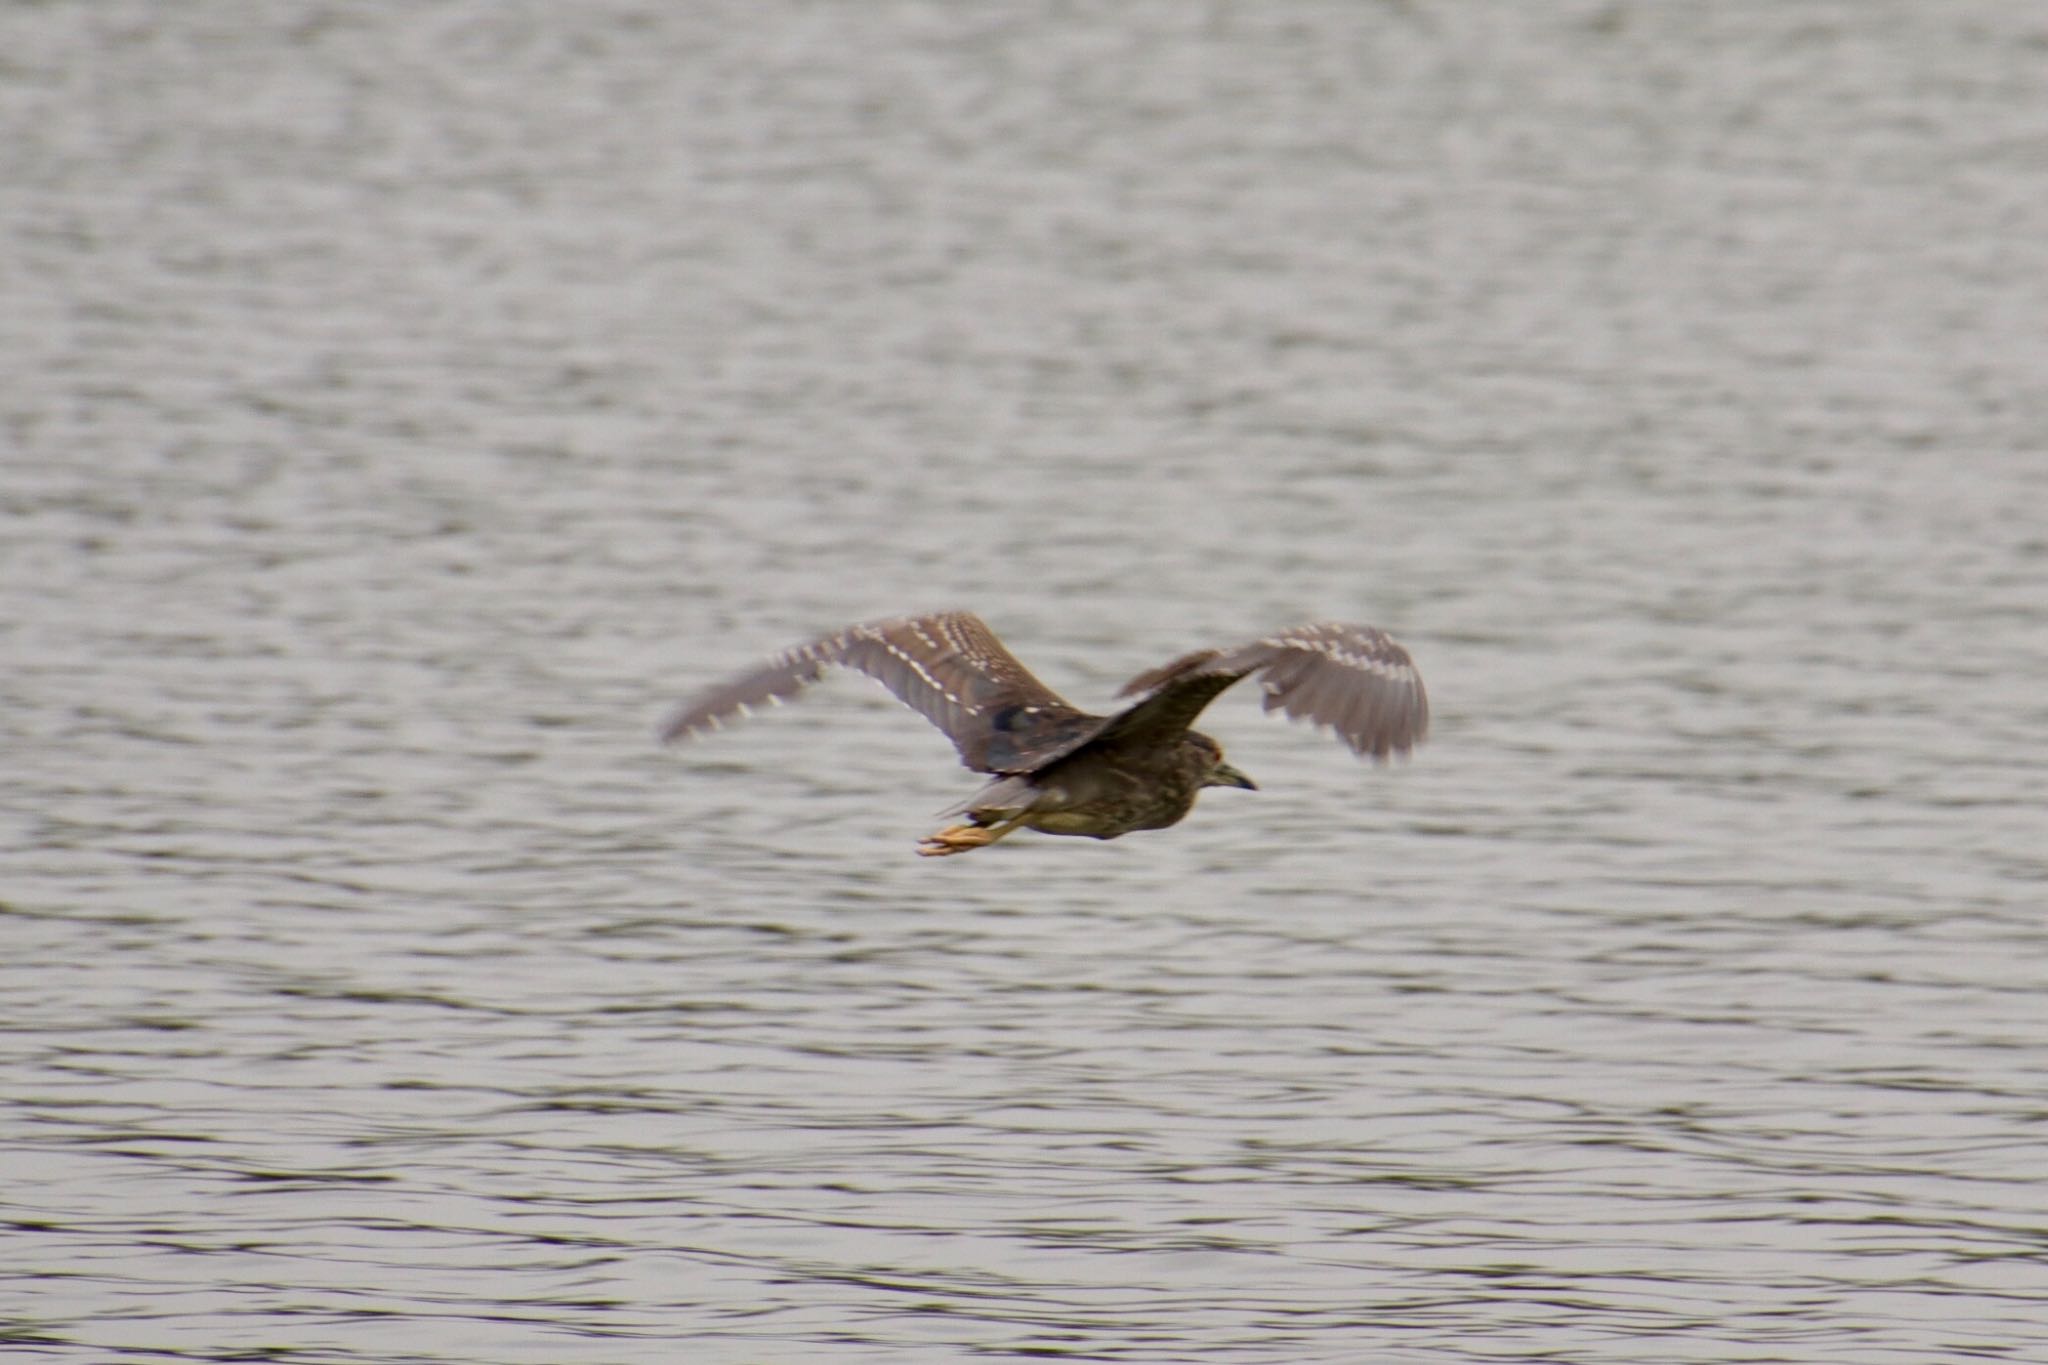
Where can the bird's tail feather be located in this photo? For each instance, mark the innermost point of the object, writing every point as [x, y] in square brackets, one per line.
[1004, 796]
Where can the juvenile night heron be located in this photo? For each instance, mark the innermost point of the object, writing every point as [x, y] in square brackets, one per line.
[1058, 769]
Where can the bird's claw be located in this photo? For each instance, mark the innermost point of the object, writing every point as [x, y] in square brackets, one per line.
[955, 839]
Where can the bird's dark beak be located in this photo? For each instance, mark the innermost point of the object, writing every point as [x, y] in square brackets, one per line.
[1223, 775]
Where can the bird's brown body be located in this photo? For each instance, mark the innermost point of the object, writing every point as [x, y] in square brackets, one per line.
[1060, 770]
[1115, 790]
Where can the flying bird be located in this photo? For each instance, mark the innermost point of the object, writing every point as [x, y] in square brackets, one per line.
[1060, 770]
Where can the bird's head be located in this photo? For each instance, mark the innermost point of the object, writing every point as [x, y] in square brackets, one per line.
[1218, 773]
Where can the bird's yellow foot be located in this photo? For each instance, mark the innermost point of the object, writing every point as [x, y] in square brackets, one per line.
[956, 839]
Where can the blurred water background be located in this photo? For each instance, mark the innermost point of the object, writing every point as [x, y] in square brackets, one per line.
[404, 404]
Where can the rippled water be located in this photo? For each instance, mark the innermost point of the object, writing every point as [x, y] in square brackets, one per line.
[405, 404]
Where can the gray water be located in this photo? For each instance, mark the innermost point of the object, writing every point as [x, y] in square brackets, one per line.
[405, 404]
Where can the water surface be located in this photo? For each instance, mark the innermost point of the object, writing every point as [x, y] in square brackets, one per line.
[408, 403]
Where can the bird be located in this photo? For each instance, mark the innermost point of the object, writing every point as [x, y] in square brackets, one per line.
[1060, 770]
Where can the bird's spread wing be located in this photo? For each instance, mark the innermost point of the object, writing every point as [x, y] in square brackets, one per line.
[1354, 680]
[949, 667]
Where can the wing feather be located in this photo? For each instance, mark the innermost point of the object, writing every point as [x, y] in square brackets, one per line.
[949, 667]
[1354, 680]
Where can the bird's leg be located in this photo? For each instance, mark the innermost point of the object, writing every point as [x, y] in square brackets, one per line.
[964, 838]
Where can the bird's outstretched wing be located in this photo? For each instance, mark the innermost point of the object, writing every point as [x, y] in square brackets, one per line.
[1354, 680]
[949, 667]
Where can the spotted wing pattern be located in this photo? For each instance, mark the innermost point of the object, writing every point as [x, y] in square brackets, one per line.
[1355, 680]
[948, 667]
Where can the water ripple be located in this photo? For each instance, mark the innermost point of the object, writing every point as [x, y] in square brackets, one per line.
[391, 447]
